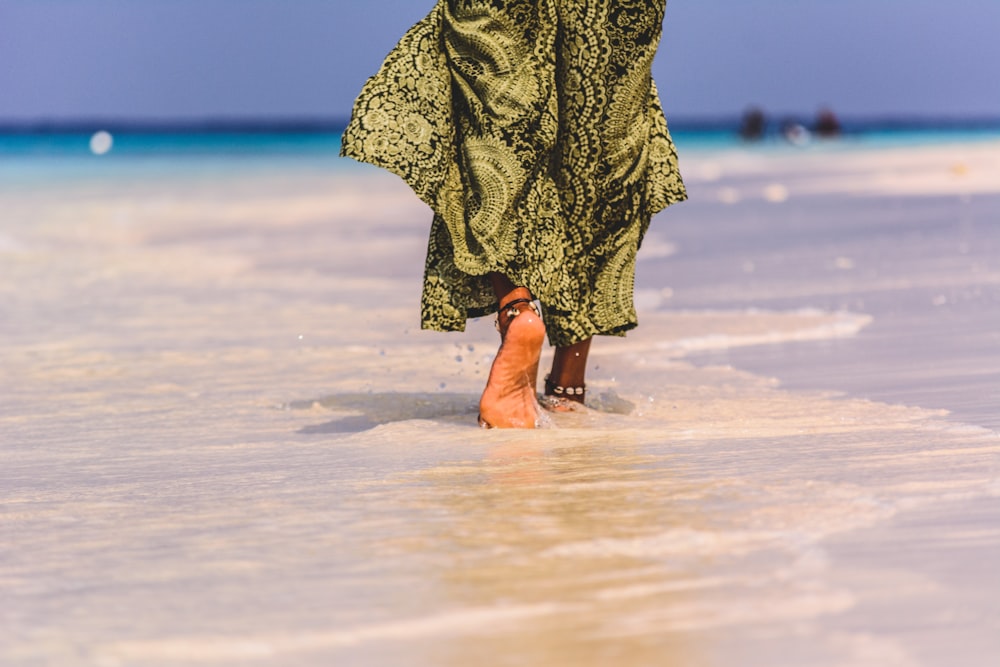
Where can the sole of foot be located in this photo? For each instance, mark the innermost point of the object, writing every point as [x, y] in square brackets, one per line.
[509, 400]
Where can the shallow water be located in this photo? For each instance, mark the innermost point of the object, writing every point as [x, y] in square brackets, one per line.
[226, 443]
[918, 249]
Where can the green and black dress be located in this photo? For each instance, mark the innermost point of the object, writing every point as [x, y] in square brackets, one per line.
[534, 131]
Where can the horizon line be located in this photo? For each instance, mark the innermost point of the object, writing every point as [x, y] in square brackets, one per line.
[329, 124]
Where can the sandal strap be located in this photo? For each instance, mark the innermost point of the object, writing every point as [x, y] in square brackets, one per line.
[511, 304]
[510, 311]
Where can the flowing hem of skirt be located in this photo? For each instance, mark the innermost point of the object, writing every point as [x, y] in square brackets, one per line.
[407, 121]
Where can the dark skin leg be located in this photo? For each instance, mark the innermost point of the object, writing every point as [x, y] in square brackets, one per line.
[501, 284]
[569, 366]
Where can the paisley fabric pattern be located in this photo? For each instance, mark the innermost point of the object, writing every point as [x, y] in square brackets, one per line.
[534, 131]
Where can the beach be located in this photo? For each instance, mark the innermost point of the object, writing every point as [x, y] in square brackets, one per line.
[227, 442]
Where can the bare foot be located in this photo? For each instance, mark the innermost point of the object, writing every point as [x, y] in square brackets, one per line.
[509, 399]
[561, 404]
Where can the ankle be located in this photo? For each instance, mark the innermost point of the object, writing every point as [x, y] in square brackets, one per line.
[513, 304]
[515, 294]
[574, 391]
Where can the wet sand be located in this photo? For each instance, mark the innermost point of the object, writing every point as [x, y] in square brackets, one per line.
[225, 441]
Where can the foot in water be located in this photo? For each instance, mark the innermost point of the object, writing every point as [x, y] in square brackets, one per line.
[509, 400]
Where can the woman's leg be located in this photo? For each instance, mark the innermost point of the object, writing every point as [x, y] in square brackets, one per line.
[509, 400]
[569, 368]
[502, 286]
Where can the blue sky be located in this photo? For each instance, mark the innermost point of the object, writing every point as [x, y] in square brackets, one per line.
[162, 59]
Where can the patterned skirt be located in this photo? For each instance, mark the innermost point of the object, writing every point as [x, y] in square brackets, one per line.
[533, 130]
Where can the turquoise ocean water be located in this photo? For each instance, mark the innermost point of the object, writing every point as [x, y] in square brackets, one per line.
[24, 144]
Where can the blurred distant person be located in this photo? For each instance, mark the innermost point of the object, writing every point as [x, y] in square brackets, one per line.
[753, 125]
[534, 131]
[795, 132]
[827, 124]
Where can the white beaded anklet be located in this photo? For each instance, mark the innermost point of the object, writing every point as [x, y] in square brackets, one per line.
[552, 389]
